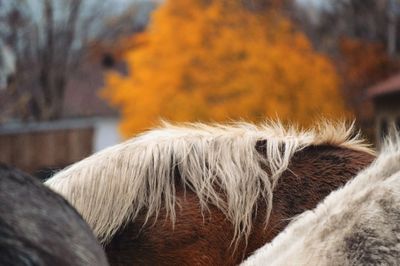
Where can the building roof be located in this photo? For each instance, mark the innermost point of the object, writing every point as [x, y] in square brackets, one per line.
[386, 87]
[82, 95]
[18, 127]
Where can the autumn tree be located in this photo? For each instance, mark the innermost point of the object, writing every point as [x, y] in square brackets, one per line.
[362, 38]
[361, 65]
[220, 60]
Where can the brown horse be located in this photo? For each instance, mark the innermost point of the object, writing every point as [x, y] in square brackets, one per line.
[207, 195]
[357, 224]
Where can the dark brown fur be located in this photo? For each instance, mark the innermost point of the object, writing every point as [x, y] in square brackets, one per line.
[206, 240]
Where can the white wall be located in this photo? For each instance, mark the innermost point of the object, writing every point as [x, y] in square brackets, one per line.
[105, 134]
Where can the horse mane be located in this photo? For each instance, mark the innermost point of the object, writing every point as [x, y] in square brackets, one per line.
[111, 187]
[354, 225]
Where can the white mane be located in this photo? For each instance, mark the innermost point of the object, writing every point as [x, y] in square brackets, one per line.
[109, 188]
[355, 225]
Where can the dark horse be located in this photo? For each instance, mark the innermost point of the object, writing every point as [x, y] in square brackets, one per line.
[38, 227]
[207, 195]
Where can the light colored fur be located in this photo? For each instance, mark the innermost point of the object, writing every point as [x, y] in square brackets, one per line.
[358, 224]
[109, 188]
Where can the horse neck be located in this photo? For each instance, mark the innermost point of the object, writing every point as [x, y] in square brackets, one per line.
[313, 173]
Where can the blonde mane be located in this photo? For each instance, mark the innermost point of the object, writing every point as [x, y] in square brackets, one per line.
[111, 187]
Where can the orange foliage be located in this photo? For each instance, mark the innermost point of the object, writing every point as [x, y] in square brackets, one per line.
[215, 61]
[362, 64]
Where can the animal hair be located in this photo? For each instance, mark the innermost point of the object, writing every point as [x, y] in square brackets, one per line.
[38, 227]
[355, 225]
[111, 187]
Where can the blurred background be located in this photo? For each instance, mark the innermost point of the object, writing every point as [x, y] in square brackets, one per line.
[77, 76]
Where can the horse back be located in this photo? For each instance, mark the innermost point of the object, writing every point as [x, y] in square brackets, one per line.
[204, 237]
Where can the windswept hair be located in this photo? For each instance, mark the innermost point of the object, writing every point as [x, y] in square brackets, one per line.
[111, 187]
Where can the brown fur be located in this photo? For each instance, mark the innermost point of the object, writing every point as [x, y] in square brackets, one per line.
[206, 240]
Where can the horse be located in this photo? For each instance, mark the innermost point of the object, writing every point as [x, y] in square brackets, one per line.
[38, 227]
[7, 66]
[199, 194]
[357, 224]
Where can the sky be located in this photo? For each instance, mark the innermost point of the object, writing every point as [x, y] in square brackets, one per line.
[315, 3]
